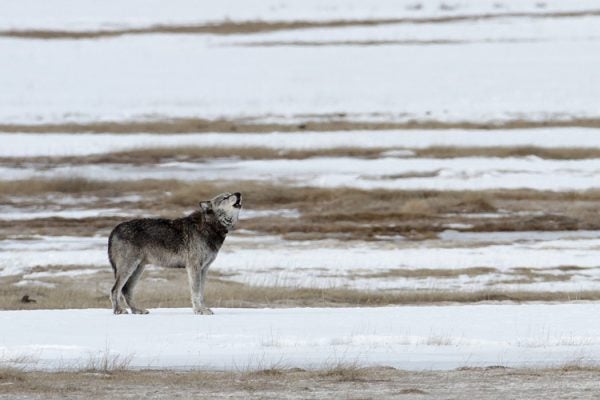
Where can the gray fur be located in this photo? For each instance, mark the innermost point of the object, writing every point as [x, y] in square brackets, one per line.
[191, 242]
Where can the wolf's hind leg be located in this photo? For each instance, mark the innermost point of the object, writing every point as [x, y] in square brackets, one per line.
[129, 288]
[122, 276]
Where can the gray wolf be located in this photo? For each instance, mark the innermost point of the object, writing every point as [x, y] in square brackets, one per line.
[191, 242]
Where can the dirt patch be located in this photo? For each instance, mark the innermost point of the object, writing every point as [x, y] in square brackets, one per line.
[295, 383]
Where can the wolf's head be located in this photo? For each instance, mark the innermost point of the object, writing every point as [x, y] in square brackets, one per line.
[226, 208]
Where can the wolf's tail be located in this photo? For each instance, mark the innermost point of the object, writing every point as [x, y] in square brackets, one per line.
[110, 258]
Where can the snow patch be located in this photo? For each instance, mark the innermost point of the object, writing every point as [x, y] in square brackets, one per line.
[413, 338]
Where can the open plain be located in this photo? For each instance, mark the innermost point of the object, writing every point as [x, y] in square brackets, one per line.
[420, 184]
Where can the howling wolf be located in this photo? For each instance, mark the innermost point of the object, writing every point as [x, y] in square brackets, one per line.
[191, 242]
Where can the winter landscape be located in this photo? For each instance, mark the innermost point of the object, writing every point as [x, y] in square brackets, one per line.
[421, 195]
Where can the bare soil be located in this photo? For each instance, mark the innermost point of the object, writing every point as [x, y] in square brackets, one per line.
[333, 383]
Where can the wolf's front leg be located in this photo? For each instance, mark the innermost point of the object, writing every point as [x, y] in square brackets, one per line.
[197, 278]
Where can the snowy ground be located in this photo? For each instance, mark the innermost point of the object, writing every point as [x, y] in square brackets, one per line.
[393, 170]
[191, 78]
[469, 173]
[518, 261]
[467, 62]
[49, 144]
[493, 69]
[89, 14]
[412, 338]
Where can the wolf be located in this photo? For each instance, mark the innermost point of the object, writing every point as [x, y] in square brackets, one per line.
[191, 242]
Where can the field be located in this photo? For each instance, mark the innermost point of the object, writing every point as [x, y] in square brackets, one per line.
[420, 186]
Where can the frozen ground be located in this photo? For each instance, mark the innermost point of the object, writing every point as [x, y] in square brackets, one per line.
[49, 144]
[412, 338]
[519, 261]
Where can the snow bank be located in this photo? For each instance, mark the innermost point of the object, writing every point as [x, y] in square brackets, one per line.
[413, 338]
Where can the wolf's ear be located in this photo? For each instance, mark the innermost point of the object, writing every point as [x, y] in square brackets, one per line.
[205, 206]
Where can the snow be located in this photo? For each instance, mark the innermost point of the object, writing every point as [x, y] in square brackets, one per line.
[93, 15]
[20, 255]
[170, 76]
[373, 265]
[50, 144]
[479, 70]
[34, 283]
[56, 274]
[283, 213]
[412, 338]
[458, 32]
[514, 67]
[10, 213]
[464, 173]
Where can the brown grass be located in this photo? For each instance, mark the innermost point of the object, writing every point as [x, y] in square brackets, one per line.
[196, 154]
[169, 288]
[294, 383]
[564, 153]
[335, 213]
[345, 372]
[11, 374]
[431, 273]
[323, 43]
[249, 27]
[323, 123]
[199, 154]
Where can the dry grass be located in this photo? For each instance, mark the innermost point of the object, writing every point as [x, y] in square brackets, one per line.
[334, 213]
[375, 382]
[157, 155]
[250, 27]
[196, 154]
[423, 273]
[322, 43]
[107, 363]
[345, 372]
[11, 374]
[169, 288]
[319, 123]
[564, 153]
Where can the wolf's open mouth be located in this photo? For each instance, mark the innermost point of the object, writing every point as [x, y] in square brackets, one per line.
[238, 202]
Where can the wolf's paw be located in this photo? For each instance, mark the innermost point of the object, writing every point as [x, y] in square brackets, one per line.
[120, 311]
[203, 311]
[139, 311]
